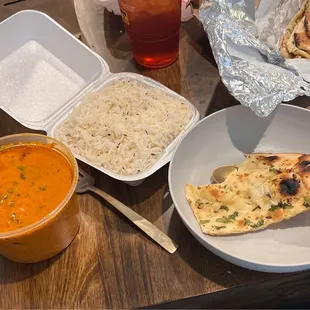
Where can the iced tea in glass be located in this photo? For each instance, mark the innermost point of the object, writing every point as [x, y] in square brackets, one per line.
[153, 28]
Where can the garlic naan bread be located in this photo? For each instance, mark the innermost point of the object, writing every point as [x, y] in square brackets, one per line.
[295, 41]
[302, 41]
[307, 23]
[265, 189]
[298, 43]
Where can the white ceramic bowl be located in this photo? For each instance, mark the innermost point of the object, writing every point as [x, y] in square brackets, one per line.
[222, 138]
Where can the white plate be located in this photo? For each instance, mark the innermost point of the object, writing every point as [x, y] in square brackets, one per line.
[221, 139]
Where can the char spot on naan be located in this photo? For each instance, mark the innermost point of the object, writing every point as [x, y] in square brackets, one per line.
[289, 187]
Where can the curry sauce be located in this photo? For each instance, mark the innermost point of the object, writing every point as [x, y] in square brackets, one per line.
[34, 180]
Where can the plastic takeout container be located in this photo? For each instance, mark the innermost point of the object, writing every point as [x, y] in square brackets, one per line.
[51, 234]
[46, 71]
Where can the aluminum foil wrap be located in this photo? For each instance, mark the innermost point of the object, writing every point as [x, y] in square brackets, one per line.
[245, 46]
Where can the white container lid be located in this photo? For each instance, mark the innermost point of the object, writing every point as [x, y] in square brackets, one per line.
[43, 68]
[45, 71]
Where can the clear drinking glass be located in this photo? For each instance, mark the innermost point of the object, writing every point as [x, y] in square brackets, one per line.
[153, 28]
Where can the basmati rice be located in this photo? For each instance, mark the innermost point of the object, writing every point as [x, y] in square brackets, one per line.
[125, 127]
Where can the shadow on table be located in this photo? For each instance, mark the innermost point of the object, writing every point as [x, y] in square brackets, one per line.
[213, 268]
[198, 39]
[247, 289]
[15, 272]
[221, 99]
[134, 197]
[127, 194]
[194, 254]
[303, 102]
[116, 37]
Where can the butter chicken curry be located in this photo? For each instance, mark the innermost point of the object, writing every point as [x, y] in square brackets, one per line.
[34, 180]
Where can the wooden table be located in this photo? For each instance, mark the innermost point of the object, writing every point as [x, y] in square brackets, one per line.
[111, 264]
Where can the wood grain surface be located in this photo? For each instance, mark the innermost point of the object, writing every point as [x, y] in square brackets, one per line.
[61, 10]
[111, 264]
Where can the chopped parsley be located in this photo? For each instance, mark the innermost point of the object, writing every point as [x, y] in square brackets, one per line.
[43, 188]
[204, 221]
[21, 168]
[273, 170]
[219, 227]
[199, 202]
[22, 176]
[260, 223]
[228, 219]
[224, 220]
[281, 205]
[247, 222]
[306, 202]
[233, 216]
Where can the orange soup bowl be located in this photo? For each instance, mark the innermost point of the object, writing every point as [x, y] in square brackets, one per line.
[39, 214]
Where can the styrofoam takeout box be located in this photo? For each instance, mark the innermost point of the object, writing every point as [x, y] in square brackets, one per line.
[45, 72]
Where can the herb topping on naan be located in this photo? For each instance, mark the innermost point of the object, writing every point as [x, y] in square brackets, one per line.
[265, 189]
